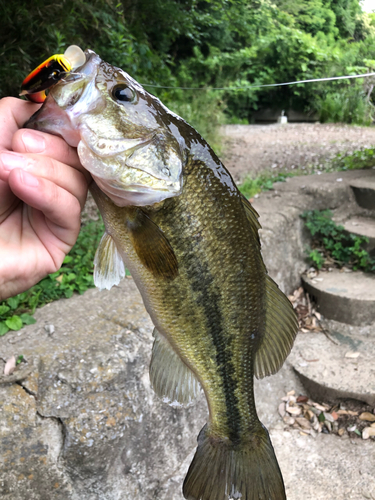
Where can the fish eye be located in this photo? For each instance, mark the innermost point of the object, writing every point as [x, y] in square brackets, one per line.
[123, 93]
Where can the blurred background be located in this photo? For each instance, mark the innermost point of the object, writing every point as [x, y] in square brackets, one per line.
[208, 44]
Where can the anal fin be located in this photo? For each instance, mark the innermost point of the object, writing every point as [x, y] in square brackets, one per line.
[109, 267]
[170, 378]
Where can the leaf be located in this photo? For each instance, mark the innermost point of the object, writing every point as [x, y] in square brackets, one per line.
[10, 366]
[13, 302]
[19, 359]
[4, 309]
[27, 319]
[14, 323]
[3, 328]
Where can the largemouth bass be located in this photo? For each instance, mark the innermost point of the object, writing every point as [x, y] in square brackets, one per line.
[175, 218]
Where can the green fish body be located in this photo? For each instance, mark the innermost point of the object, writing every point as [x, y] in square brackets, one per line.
[190, 240]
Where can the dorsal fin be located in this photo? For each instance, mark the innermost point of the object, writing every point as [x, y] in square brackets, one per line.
[281, 327]
[252, 216]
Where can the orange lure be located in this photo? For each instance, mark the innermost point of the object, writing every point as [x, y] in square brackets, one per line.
[48, 73]
[44, 76]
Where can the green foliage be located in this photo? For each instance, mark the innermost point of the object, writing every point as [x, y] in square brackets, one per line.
[75, 275]
[362, 158]
[264, 182]
[316, 258]
[210, 43]
[348, 107]
[19, 359]
[333, 241]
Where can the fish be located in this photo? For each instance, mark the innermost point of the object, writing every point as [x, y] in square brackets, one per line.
[175, 218]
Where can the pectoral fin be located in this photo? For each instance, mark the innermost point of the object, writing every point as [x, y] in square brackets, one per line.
[170, 378]
[109, 267]
[151, 245]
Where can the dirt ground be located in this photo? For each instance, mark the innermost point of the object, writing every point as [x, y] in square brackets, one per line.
[252, 149]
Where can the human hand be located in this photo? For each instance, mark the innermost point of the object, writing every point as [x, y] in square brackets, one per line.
[43, 189]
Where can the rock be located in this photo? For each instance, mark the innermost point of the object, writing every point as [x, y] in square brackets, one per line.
[365, 227]
[345, 297]
[367, 416]
[368, 432]
[85, 424]
[327, 374]
[364, 192]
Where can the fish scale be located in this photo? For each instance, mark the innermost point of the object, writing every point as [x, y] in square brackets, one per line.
[175, 218]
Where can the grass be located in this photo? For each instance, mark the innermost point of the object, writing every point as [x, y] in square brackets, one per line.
[75, 275]
[264, 182]
[362, 158]
[333, 245]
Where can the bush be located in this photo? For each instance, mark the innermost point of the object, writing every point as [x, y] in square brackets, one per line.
[349, 105]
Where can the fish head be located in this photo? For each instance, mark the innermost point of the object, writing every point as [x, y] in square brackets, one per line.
[121, 132]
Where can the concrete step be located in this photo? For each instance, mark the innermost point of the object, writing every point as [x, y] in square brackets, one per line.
[362, 226]
[340, 366]
[344, 297]
[364, 192]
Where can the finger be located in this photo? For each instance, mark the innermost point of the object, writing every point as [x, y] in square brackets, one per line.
[31, 141]
[7, 201]
[13, 114]
[60, 207]
[43, 167]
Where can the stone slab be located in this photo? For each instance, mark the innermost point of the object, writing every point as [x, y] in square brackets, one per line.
[364, 192]
[344, 297]
[85, 423]
[283, 236]
[362, 226]
[337, 367]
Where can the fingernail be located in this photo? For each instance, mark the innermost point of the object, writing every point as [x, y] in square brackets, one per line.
[29, 179]
[34, 142]
[12, 160]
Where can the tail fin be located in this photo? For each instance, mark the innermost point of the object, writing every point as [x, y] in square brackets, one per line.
[224, 471]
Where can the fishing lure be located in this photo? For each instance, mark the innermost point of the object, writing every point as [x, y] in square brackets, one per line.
[35, 86]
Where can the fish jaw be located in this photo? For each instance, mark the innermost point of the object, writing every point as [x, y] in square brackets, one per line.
[50, 118]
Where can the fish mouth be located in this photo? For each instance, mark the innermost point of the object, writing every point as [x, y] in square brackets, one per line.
[133, 194]
[74, 95]
[50, 118]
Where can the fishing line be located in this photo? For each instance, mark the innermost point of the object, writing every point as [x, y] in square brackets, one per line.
[264, 85]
